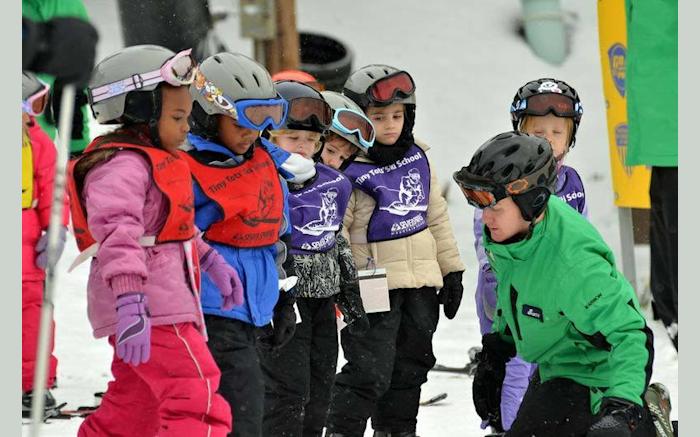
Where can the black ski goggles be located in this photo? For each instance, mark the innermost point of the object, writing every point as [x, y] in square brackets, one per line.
[543, 104]
[304, 110]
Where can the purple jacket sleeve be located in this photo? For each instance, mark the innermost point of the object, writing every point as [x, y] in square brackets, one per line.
[514, 387]
[115, 193]
[486, 281]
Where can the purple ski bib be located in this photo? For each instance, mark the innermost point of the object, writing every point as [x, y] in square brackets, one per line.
[570, 188]
[401, 191]
[317, 210]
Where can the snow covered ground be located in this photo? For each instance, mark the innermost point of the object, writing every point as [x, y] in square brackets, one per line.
[467, 64]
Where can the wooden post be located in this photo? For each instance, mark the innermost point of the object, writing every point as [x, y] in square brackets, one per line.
[282, 52]
[288, 35]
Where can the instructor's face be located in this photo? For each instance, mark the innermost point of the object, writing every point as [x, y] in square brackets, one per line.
[504, 220]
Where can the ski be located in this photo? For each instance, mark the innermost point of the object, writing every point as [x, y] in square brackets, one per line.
[434, 400]
[468, 369]
[81, 412]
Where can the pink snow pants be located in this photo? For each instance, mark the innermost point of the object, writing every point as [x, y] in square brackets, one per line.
[32, 297]
[173, 394]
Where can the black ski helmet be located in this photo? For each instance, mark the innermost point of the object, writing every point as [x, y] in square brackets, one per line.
[520, 108]
[513, 164]
[313, 114]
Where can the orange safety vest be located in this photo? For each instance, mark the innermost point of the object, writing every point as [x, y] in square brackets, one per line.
[170, 174]
[250, 197]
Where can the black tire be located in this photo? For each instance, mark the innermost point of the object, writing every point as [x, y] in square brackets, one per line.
[326, 58]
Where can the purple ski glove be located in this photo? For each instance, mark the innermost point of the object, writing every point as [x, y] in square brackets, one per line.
[225, 278]
[42, 258]
[133, 336]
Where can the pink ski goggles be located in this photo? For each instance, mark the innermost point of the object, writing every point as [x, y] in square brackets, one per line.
[177, 71]
[36, 103]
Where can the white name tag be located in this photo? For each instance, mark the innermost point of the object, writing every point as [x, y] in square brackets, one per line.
[374, 290]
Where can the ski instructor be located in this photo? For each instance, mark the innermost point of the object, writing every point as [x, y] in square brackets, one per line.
[562, 304]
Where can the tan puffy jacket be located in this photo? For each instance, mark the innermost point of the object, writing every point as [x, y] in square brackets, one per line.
[419, 260]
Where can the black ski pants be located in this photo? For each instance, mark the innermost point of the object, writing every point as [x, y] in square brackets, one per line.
[561, 407]
[386, 367]
[663, 241]
[233, 345]
[299, 377]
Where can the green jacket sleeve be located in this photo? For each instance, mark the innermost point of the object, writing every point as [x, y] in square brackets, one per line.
[602, 305]
[45, 10]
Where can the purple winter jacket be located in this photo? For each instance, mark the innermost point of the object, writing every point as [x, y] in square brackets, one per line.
[123, 204]
[569, 189]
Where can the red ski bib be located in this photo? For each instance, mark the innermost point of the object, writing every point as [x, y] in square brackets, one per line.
[250, 197]
[170, 174]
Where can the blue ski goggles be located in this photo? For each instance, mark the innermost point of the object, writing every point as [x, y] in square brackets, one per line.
[261, 114]
[257, 114]
[351, 122]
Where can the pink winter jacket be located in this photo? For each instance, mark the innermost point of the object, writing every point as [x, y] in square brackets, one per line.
[35, 220]
[123, 204]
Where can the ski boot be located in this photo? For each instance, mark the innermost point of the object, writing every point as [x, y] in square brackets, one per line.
[659, 404]
[50, 406]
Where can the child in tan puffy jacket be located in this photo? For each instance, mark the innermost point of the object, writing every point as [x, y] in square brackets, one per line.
[396, 220]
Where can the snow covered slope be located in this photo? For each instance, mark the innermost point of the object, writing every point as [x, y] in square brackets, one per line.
[467, 64]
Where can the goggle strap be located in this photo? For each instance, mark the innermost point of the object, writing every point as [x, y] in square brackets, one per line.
[129, 84]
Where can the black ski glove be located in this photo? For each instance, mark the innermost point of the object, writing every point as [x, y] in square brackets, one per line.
[284, 324]
[350, 304]
[63, 47]
[488, 378]
[617, 418]
[450, 295]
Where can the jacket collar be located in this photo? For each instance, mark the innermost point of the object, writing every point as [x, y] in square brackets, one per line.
[203, 145]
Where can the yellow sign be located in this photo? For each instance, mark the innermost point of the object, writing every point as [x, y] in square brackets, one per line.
[630, 184]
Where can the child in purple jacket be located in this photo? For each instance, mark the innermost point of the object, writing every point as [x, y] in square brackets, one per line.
[547, 108]
[133, 212]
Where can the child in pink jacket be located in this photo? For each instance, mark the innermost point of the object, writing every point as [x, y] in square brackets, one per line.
[38, 169]
[132, 208]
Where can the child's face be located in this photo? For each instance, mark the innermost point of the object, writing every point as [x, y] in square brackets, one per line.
[236, 138]
[336, 151]
[172, 124]
[554, 129]
[303, 142]
[504, 220]
[388, 122]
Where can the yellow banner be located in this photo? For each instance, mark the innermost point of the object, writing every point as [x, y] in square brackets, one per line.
[630, 184]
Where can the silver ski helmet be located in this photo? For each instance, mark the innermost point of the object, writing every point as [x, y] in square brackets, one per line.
[380, 85]
[142, 103]
[30, 84]
[35, 94]
[511, 164]
[222, 80]
[337, 102]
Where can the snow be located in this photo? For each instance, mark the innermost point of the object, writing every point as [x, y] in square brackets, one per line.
[467, 64]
